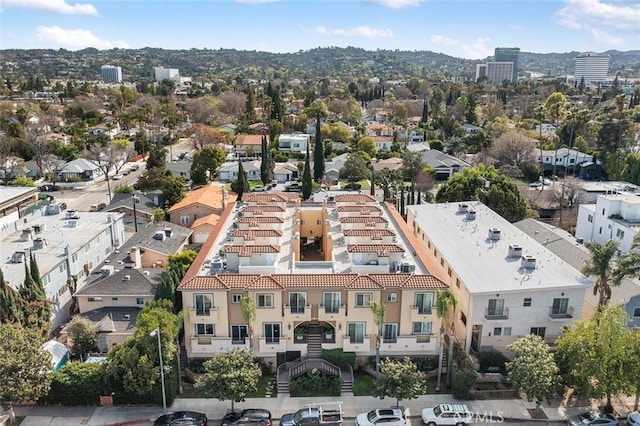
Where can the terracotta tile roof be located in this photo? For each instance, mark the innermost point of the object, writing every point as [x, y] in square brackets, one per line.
[363, 219]
[294, 281]
[374, 234]
[251, 234]
[258, 209]
[246, 251]
[209, 195]
[242, 140]
[257, 220]
[355, 198]
[269, 197]
[362, 209]
[211, 219]
[383, 250]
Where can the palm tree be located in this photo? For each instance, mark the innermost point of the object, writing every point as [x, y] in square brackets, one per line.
[446, 303]
[248, 308]
[606, 267]
[379, 317]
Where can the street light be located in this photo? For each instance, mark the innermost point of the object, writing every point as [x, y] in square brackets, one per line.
[135, 200]
[156, 332]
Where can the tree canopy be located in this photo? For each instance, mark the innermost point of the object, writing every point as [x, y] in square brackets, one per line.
[400, 379]
[205, 164]
[355, 168]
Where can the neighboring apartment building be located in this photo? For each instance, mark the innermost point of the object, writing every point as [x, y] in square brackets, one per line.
[201, 202]
[612, 217]
[66, 246]
[507, 284]
[111, 74]
[497, 72]
[592, 67]
[311, 268]
[295, 142]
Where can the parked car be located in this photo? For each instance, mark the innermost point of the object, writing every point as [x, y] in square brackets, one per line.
[97, 207]
[314, 416]
[588, 418]
[48, 188]
[352, 186]
[258, 189]
[633, 419]
[535, 185]
[119, 176]
[249, 416]
[187, 418]
[134, 167]
[292, 187]
[386, 417]
[447, 414]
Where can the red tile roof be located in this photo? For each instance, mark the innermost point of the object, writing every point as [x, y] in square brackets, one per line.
[374, 234]
[270, 208]
[209, 195]
[383, 250]
[250, 234]
[355, 198]
[270, 197]
[244, 139]
[362, 209]
[361, 219]
[260, 219]
[247, 251]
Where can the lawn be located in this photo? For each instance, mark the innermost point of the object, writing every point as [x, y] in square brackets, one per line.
[362, 383]
[191, 392]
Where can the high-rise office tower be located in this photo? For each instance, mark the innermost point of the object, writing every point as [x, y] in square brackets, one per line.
[111, 74]
[508, 54]
[497, 72]
[593, 67]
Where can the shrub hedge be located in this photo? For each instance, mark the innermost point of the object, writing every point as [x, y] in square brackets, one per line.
[492, 359]
[339, 357]
[316, 383]
[463, 374]
[77, 383]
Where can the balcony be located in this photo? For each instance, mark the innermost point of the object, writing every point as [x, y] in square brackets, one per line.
[272, 344]
[332, 313]
[496, 314]
[297, 313]
[356, 345]
[212, 344]
[561, 313]
[203, 313]
[422, 310]
[420, 343]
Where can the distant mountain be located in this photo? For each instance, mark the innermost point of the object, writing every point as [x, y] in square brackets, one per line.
[332, 62]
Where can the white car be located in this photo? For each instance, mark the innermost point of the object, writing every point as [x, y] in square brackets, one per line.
[117, 177]
[633, 419]
[258, 189]
[382, 417]
[447, 414]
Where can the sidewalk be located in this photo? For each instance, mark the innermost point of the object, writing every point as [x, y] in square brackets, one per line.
[495, 410]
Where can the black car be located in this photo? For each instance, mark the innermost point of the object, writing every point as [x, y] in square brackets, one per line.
[48, 188]
[182, 418]
[352, 186]
[250, 416]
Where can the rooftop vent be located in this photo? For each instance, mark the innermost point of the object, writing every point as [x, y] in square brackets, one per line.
[39, 243]
[73, 223]
[470, 215]
[528, 261]
[18, 257]
[126, 278]
[515, 250]
[39, 228]
[160, 235]
[27, 234]
[494, 234]
[168, 232]
[463, 207]
[127, 317]
[106, 270]
[72, 214]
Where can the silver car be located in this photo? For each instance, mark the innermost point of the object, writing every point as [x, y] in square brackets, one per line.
[382, 417]
[593, 418]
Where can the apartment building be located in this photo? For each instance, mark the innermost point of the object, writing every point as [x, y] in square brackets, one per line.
[508, 54]
[66, 246]
[592, 67]
[312, 269]
[507, 284]
[111, 74]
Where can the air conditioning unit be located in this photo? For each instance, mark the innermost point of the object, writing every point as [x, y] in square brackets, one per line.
[528, 261]
[463, 207]
[470, 215]
[515, 250]
[494, 233]
[373, 262]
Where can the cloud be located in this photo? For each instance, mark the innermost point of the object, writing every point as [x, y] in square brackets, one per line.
[74, 38]
[56, 6]
[398, 4]
[363, 31]
[598, 18]
[475, 50]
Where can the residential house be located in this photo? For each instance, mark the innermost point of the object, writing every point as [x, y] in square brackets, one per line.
[228, 172]
[199, 203]
[378, 129]
[470, 129]
[67, 248]
[383, 143]
[507, 284]
[285, 172]
[259, 128]
[312, 270]
[124, 203]
[228, 127]
[101, 129]
[547, 130]
[391, 163]
[296, 142]
[247, 143]
[562, 160]
[202, 228]
[152, 245]
[418, 146]
[180, 168]
[445, 165]
[81, 169]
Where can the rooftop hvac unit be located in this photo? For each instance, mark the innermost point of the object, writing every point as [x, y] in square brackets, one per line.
[39, 228]
[106, 270]
[39, 243]
[27, 234]
[18, 257]
[463, 207]
[494, 234]
[407, 267]
[528, 261]
[470, 215]
[515, 250]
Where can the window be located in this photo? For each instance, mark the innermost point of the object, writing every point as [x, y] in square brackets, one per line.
[318, 222]
[62, 290]
[429, 244]
[449, 271]
[538, 331]
[74, 257]
[600, 230]
[47, 279]
[272, 332]
[235, 298]
[184, 220]
[458, 282]
[139, 300]
[95, 299]
[356, 332]
[389, 332]
[636, 312]
[363, 300]
[297, 302]
[114, 299]
[238, 334]
[560, 306]
[527, 301]
[442, 261]
[423, 327]
[506, 331]
[62, 267]
[392, 297]
[620, 233]
[87, 248]
[603, 210]
[331, 301]
[590, 218]
[205, 330]
[435, 252]
[265, 300]
[463, 318]
[203, 303]
[495, 308]
[497, 331]
[423, 302]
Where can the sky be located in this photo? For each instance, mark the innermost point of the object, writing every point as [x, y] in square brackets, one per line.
[462, 28]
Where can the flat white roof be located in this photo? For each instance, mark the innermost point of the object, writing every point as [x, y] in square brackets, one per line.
[10, 192]
[483, 264]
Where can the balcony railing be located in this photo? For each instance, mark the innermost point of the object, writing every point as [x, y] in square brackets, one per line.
[422, 310]
[496, 314]
[331, 309]
[561, 312]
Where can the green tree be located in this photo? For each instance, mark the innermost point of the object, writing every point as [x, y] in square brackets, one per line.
[157, 157]
[496, 191]
[412, 164]
[84, 335]
[205, 164]
[597, 356]
[555, 106]
[24, 367]
[241, 184]
[248, 308]
[124, 189]
[173, 189]
[37, 307]
[318, 110]
[11, 305]
[388, 179]
[22, 181]
[533, 370]
[400, 379]
[266, 163]
[604, 265]
[307, 184]
[355, 168]
[151, 179]
[367, 144]
[631, 168]
[158, 215]
[233, 376]
[379, 311]
[446, 303]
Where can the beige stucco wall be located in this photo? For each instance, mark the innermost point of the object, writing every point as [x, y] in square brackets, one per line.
[126, 301]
